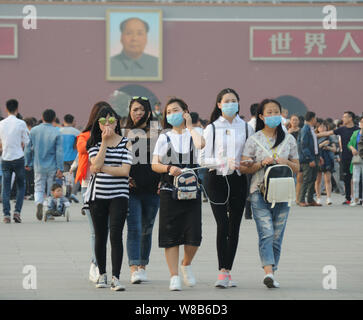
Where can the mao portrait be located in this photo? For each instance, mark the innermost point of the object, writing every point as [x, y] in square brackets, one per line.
[134, 45]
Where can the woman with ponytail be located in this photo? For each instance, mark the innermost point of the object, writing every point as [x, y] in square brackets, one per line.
[270, 221]
[226, 186]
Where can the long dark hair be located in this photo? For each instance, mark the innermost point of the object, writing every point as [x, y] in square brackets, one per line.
[146, 118]
[260, 124]
[218, 112]
[182, 105]
[95, 109]
[96, 133]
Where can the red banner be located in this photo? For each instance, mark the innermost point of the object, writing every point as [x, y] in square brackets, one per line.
[295, 43]
[8, 41]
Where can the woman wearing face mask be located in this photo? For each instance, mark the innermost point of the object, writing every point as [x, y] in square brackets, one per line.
[270, 222]
[179, 220]
[144, 199]
[108, 191]
[225, 138]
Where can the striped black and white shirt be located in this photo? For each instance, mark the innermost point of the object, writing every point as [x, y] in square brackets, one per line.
[107, 186]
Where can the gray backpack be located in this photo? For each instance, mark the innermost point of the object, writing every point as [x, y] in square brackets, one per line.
[278, 183]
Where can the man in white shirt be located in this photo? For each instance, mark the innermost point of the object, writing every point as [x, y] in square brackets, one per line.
[14, 136]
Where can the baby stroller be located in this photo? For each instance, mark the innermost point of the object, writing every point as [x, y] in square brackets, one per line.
[60, 207]
[55, 213]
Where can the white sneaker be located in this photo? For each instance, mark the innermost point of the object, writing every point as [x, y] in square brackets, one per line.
[116, 285]
[231, 283]
[93, 273]
[276, 284]
[142, 275]
[328, 201]
[353, 204]
[135, 277]
[188, 276]
[318, 200]
[223, 281]
[175, 283]
[270, 282]
[102, 281]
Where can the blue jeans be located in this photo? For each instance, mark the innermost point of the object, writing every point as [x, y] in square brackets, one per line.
[270, 225]
[140, 221]
[8, 168]
[43, 182]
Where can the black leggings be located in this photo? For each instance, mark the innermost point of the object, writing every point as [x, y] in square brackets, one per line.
[228, 225]
[103, 210]
[347, 179]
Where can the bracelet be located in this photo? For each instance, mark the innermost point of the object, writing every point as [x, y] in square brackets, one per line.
[261, 164]
[168, 168]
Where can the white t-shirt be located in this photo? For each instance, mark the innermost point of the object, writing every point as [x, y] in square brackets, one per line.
[180, 143]
[13, 133]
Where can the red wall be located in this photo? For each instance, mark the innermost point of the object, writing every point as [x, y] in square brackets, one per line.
[61, 65]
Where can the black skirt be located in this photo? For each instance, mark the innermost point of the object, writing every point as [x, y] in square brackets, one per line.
[180, 221]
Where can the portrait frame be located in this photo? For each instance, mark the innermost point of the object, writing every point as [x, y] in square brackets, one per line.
[116, 70]
[14, 28]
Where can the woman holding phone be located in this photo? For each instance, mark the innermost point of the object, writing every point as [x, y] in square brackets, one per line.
[180, 221]
[225, 139]
[144, 201]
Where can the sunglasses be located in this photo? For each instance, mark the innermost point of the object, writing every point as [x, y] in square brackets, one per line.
[142, 98]
[103, 121]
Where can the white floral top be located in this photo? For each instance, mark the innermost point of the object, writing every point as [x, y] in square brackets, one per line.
[254, 151]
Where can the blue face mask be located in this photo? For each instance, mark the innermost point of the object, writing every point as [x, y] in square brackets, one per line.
[230, 109]
[175, 119]
[272, 121]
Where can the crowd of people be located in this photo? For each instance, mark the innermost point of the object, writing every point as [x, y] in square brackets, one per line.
[169, 162]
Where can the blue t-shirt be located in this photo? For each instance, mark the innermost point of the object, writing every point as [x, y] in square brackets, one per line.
[69, 135]
[358, 138]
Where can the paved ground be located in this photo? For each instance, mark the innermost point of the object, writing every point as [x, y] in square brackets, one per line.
[314, 238]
